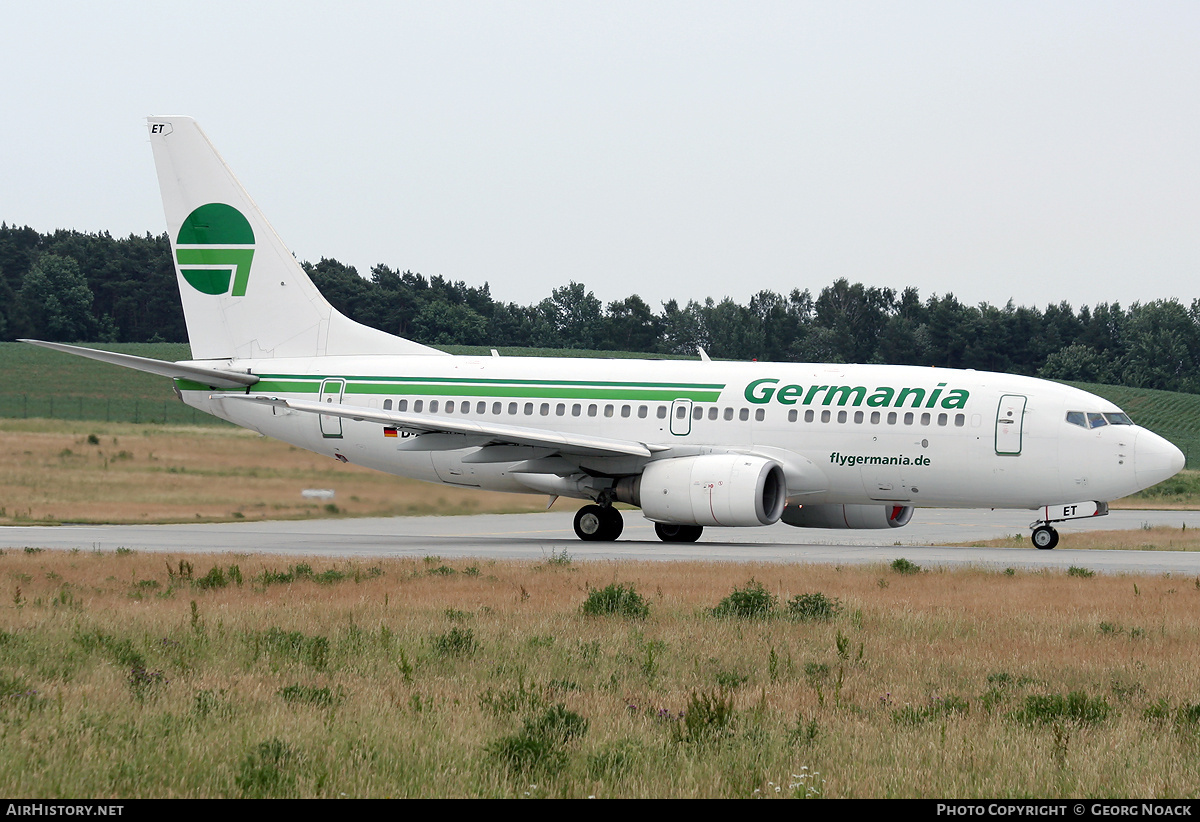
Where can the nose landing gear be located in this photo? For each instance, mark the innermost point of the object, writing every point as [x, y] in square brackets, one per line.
[1044, 537]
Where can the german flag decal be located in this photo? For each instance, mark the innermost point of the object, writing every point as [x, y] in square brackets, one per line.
[390, 432]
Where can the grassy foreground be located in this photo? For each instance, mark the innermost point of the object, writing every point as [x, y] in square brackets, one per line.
[129, 675]
[54, 471]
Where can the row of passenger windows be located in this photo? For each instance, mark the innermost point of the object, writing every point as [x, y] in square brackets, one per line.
[878, 417]
[698, 412]
[527, 409]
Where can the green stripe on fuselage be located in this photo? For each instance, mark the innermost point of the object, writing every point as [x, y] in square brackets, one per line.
[524, 389]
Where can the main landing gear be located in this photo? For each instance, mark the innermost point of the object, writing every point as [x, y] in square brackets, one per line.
[603, 523]
[598, 523]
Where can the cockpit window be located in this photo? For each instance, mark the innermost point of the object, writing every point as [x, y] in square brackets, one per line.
[1094, 420]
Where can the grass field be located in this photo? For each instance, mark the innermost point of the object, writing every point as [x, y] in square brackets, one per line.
[53, 472]
[126, 675]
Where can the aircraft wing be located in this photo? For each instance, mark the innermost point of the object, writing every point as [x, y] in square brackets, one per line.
[478, 432]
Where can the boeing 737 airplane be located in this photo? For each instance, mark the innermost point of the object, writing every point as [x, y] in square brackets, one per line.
[690, 443]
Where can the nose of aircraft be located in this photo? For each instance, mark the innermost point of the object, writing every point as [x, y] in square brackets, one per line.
[1155, 459]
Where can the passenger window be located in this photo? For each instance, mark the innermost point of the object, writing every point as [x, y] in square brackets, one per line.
[744, 414]
[697, 413]
[792, 415]
[825, 416]
[387, 405]
[545, 409]
[712, 413]
[481, 407]
[875, 418]
[728, 413]
[592, 410]
[943, 419]
[858, 417]
[891, 419]
[841, 416]
[576, 410]
[960, 420]
[433, 406]
[925, 418]
[449, 406]
[625, 409]
[402, 405]
[642, 411]
[760, 414]
[908, 418]
[662, 412]
[512, 409]
[496, 408]
[529, 409]
[560, 409]
[608, 411]
[809, 416]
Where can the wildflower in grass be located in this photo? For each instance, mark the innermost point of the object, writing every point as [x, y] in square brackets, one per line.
[142, 683]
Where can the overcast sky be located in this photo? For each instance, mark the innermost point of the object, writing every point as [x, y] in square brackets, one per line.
[1038, 151]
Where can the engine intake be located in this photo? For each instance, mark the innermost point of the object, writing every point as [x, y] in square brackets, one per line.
[715, 489]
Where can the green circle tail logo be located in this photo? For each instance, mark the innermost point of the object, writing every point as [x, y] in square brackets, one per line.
[215, 246]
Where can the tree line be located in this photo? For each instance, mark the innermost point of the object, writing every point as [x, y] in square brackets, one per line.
[72, 286]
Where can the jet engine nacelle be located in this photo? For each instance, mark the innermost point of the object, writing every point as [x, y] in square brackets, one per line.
[848, 516]
[714, 489]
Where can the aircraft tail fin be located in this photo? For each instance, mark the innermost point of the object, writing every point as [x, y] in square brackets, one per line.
[244, 295]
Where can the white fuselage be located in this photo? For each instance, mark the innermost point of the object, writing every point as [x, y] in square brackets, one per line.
[844, 433]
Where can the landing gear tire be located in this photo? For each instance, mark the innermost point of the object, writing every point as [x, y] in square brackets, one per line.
[678, 533]
[1044, 537]
[598, 523]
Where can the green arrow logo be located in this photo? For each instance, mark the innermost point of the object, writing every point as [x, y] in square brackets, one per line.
[215, 245]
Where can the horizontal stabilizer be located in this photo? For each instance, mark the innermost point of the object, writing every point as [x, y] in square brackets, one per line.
[212, 377]
[426, 423]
